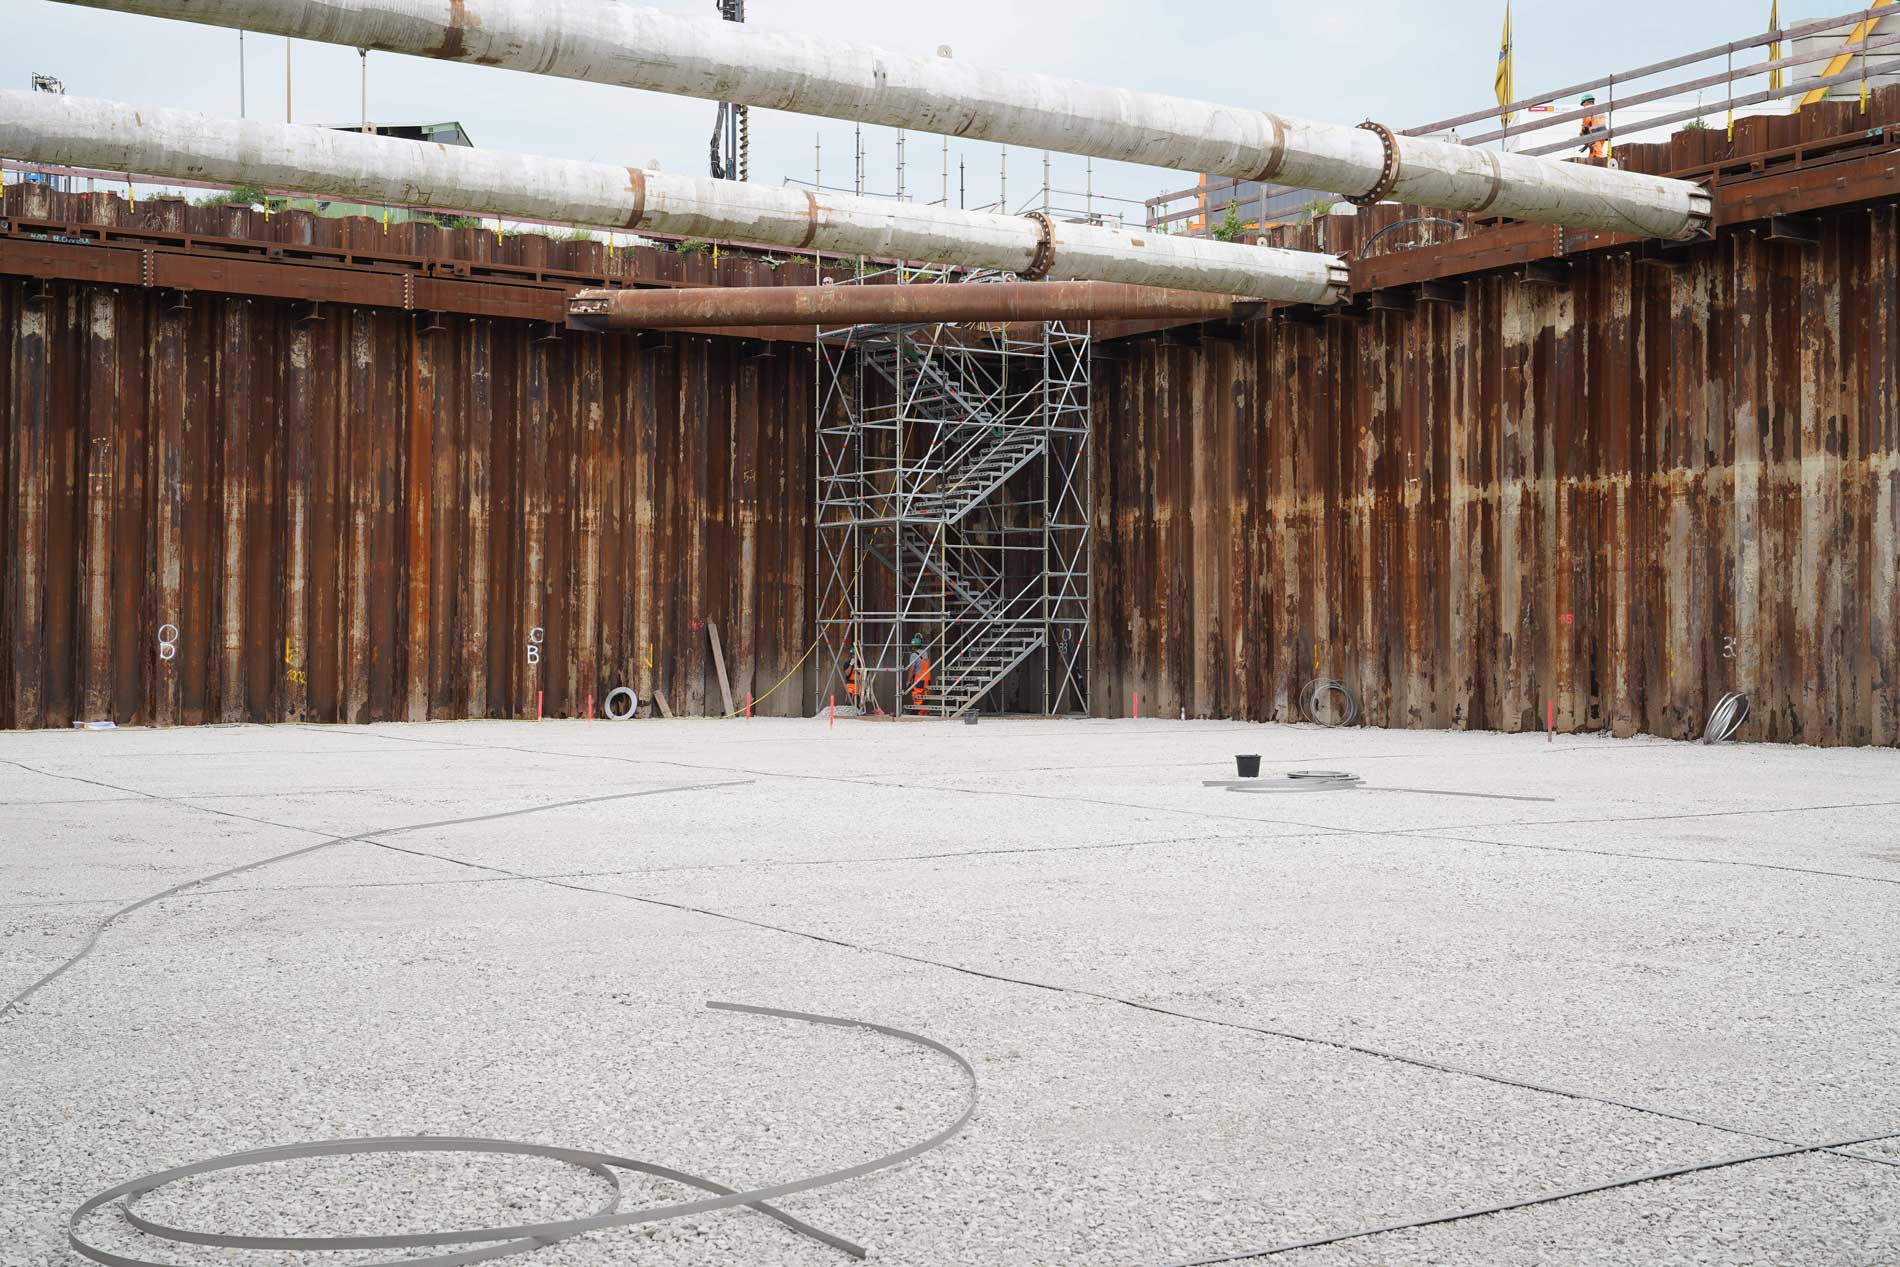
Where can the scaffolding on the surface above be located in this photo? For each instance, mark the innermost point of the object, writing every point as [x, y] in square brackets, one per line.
[953, 507]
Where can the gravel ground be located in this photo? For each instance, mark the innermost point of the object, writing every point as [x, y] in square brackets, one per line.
[1173, 996]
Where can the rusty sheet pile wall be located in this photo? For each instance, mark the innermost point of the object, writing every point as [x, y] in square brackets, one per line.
[349, 515]
[1589, 476]
[1627, 495]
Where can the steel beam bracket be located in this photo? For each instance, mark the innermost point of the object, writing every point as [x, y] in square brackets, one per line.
[1400, 299]
[1388, 174]
[1663, 254]
[1045, 257]
[1544, 273]
[1801, 230]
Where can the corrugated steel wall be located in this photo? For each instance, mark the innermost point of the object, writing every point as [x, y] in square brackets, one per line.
[1623, 495]
[357, 519]
[1626, 495]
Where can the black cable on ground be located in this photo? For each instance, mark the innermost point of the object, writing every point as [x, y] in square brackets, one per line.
[1136, 1004]
[1320, 829]
[99, 929]
[1547, 1198]
[1179, 811]
[1290, 1035]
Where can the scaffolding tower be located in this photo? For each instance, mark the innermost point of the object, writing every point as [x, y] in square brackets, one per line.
[953, 508]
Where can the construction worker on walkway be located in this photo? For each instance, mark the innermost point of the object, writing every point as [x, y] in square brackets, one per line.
[1599, 148]
[917, 675]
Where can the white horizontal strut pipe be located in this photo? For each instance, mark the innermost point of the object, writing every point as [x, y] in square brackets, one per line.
[605, 41]
[77, 131]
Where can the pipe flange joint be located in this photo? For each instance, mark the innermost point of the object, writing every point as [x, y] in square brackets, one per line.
[1388, 173]
[1701, 214]
[1339, 280]
[1045, 257]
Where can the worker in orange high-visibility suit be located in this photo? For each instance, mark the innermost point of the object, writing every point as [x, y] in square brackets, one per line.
[917, 675]
[851, 676]
[1599, 148]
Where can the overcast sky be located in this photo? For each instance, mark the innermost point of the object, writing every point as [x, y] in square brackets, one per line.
[1400, 61]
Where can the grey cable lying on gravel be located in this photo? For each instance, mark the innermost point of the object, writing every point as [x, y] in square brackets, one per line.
[99, 929]
[1626, 1181]
[502, 1241]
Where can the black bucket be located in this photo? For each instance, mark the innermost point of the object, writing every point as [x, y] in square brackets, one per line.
[1249, 767]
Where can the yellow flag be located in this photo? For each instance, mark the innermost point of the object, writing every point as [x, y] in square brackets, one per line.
[1774, 50]
[1507, 88]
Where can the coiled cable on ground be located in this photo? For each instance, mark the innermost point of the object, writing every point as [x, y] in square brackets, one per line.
[498, 1242]
[1294, 781]
[1726, 718]
[1318, 689]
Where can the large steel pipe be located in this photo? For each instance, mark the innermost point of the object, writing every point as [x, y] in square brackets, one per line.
[45, 128]
[875, 305]
[605, 41]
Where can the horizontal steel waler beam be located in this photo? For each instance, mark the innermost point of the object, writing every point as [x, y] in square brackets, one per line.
[607, 42]
[42, 127]
[882, 305]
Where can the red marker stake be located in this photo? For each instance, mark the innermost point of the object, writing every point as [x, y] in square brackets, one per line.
[748, 705]
[590, 708]
[1137, 705]
[537, 704]
[1550, 727]
[834, 714]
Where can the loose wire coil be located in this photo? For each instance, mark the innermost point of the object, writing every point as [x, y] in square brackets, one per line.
[1297, 781]
[1318, 689]
[1726, 718]
[498, 1242]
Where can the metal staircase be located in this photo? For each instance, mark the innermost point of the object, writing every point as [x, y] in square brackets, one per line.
[978, 666]
[952, 507]
[962, 487]
[975, 451]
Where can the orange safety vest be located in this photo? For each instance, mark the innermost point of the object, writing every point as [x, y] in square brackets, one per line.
[921, 683]
[1599, 148]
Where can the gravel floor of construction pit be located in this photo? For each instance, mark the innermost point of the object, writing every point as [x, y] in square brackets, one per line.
[405, 985]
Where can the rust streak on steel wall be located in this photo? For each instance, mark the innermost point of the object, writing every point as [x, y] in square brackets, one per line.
[1577, 493]
[349, 515]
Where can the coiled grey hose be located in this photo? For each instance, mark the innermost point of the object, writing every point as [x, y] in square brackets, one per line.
[1317, 690]
[1727, 718]
[1293, 781]
[520, 1238]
